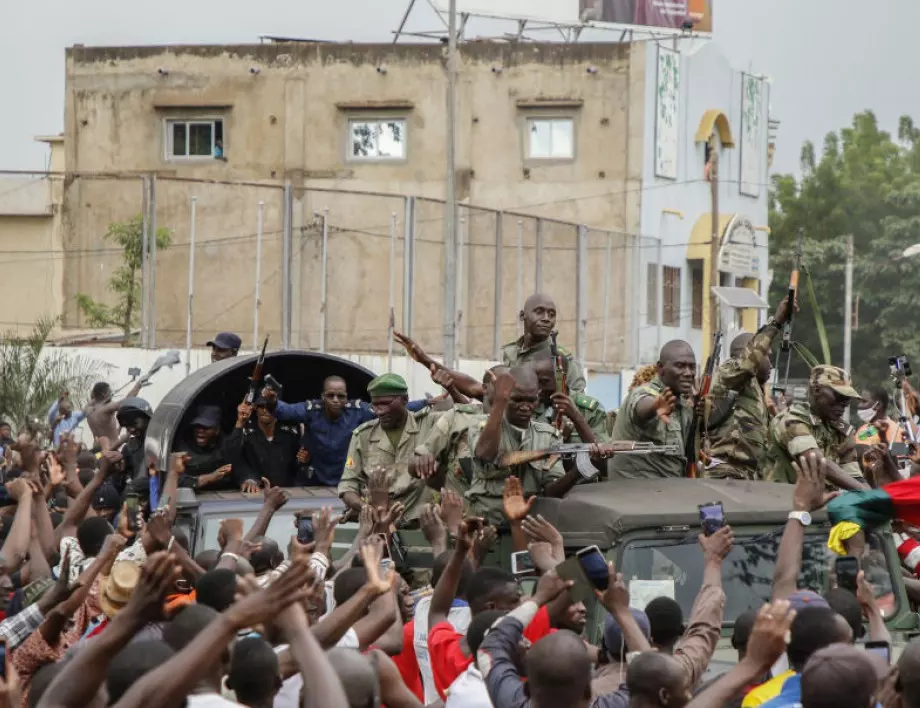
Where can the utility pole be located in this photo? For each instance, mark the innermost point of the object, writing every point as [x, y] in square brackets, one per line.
[714, 323]
[450, 205]
[848, 306]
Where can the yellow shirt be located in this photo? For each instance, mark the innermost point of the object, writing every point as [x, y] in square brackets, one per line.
[766, 691]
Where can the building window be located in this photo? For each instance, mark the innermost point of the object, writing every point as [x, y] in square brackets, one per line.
[696, 293]
[651, 293]
[550, 138]
[671, 295]
[383, 139]
[195, 139]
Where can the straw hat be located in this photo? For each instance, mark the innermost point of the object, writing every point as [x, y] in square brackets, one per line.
[118, 587]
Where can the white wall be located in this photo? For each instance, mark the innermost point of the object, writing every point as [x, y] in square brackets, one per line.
[707, 81]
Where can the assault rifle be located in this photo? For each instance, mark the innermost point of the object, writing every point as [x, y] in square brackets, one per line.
[699, 400]
[582, 453]
[785, 347]
[255, 380]
[562, 385]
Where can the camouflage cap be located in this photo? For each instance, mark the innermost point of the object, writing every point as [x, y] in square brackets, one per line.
[388, 385]
[834, 377]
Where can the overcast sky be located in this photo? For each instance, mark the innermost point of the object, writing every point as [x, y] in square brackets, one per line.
[828, 58]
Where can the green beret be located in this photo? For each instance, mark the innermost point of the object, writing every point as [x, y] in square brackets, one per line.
[388, 385]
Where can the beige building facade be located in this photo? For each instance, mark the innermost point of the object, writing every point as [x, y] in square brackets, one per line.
[545, 130]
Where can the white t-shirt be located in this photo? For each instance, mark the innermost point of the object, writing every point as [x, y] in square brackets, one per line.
[209, 700]
[459, 618]
[468, 691]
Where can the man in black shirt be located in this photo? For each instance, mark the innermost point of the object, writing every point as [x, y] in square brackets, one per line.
[207, 465]
[267, 450]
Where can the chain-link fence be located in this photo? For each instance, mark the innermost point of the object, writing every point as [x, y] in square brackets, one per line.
[336, 270]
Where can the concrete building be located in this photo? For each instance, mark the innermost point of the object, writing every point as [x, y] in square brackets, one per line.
[31, 245]
[551, 136]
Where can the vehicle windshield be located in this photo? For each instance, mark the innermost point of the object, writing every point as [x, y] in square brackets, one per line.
[674, 567]
[280, 528]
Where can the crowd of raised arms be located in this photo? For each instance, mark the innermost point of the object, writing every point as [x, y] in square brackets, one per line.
[102, 604]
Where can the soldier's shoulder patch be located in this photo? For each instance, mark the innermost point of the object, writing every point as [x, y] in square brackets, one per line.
[366, 425]
[586, 402]
[350, 463]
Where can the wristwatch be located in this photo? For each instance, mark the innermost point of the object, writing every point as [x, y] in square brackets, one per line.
[803, 517]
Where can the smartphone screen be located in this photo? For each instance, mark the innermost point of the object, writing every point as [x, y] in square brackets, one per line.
[522, 563]
[305, 529]
[883, 649]
[594, 565]
[847, 568]
[132, 505]
[712, 517]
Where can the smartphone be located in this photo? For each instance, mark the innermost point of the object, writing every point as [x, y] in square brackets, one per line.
[712, 517]
[132, 506]
[594, 565]
[883, 649]
[522, 563]
[846, 569]
[305, 529]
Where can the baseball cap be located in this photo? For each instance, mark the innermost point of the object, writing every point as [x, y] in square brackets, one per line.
[207, 417]
[835, 378]
[107, 497]
[801, 599]
[613, 633]
[226, 340]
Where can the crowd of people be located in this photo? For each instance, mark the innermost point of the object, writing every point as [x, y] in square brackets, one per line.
[103, 604]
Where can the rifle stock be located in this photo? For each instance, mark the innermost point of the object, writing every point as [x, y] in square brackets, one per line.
[705, 385]
[562, 385]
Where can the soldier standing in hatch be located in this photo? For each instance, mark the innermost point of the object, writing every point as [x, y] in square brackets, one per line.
[658, 412]
[739, 419]
[817, 428]
[388, 441]
[539, 318]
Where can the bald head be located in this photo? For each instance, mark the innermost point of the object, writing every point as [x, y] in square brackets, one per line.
[839, 676]
[738, 344]
[677, 367]
[909, 675]
[539, 318]
[356, 674]
[658, 679]
[559, 671]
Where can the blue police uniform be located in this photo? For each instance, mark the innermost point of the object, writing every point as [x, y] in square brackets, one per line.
[327, 440]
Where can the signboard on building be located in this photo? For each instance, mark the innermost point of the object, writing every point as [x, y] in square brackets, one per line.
[667, 118]
[753, 133]
[738, 254]
[676, 15]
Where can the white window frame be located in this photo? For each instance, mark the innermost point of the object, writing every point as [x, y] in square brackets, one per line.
[352, 119]
[168, 124]
[528, 129]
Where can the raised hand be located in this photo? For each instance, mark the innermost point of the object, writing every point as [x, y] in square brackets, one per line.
[768, 637]
[664, 405]
[413, 349]
[549, 587]
[378, 489]
[616, 597]
[432, 526]
[719, 545]
[539, 529]
[324, 530]
[451, 510]
[250, 486]
[516, 507]
[274, 497]
[263, 606]
[502, 388]
[158, 577]
[811, 475]
[372, 553]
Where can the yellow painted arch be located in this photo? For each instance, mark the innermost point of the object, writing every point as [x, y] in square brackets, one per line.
[714, 119]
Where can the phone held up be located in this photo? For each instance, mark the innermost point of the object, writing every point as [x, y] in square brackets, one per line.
[305, 529]
[522, 563]
[132, 508]
[594, 565]
[712, 517]
[846, 569]
[883, 649]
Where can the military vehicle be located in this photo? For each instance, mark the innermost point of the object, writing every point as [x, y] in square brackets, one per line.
[648, 528]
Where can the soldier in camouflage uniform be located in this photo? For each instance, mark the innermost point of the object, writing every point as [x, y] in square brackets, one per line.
[539, 318]
[388, 441]
[739, 419]
[579, 409]
[511, 427]
[658, 412]
[817, 428]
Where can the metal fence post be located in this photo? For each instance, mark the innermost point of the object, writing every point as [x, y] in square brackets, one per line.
[257, 305]
[408, 264]
[145, 275]
[607, 250]
[323, 278]
[638, 279]
[391, 324]
[462, 223]
[152, 268]
[286, 256]
[499, 245]
[539, 257]
[191, 285]
[520, 266]
[581, 282]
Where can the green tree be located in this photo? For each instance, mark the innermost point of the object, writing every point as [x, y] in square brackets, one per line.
[865, 184]
[33, 376]
[125, 282]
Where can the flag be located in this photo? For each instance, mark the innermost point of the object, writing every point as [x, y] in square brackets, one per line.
[868, 509]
